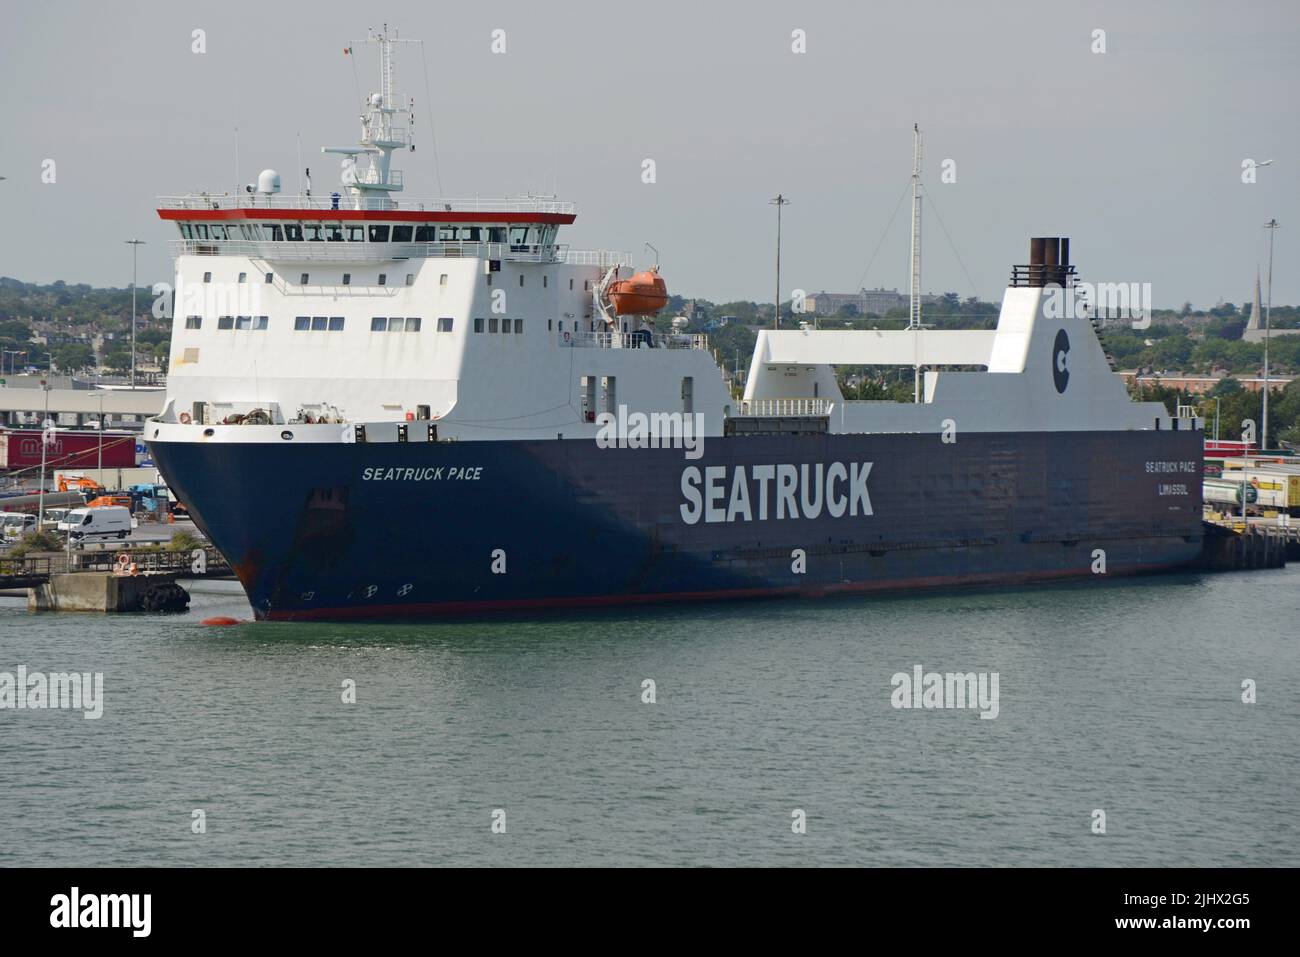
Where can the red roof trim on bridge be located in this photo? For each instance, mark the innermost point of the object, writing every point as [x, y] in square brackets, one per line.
[369, 215]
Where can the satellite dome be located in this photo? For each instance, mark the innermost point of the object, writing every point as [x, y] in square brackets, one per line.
[268, 181]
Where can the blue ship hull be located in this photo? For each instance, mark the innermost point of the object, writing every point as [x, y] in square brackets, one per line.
[367, 531]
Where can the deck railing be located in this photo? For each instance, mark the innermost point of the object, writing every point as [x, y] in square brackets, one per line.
[349, 252]
[643, 339]
[360, 252]
[787, 407]
[336, 199]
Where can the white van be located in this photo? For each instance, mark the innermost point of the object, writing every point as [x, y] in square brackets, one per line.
[97, 524]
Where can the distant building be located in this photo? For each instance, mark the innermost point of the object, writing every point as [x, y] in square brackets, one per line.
[1201, 384]
[1254, 331]
[692, 309]
[877, 301]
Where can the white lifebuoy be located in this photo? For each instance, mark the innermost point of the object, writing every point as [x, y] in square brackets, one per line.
[185, 418]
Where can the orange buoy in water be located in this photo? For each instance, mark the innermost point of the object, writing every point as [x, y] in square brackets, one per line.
[644, 294]
[221, 620]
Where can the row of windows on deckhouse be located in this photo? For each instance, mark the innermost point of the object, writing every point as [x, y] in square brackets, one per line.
[369, 232]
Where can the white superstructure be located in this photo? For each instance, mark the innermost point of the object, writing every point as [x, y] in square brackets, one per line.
[301, 317]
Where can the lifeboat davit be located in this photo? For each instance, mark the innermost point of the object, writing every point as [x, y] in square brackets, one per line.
[643, 294]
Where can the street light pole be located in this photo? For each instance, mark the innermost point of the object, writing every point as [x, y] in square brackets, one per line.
[45, 441]
[100, 477]
[778, 203]
[1272, 227]
[135, 245]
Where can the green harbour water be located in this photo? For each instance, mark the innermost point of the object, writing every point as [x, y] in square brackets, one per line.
[1120, 696]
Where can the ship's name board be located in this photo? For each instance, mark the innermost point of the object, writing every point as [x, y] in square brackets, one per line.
[1189, 467]
[442, 473]
[720, 493]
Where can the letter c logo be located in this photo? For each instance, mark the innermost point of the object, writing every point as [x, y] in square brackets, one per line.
[1060, 374]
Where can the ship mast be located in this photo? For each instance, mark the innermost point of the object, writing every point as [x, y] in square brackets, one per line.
[370, 187]
[914, 311]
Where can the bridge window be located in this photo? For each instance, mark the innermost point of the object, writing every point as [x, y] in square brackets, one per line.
[334, 232]
[336, 324]
[518, 235]
[301, 323]
[187, 231]
[273, 231]
[293, 232]
[447, 234]
[413, 324]
[478, 323]
[315, 232]
[496, 234]
[356, 234]
[402, 234]
[319, 323]
[378, 324]
[379, 234]
[193, 322]
[471, 234]
[225, 322]
[425, 234]
[444, 323]
[201, 231]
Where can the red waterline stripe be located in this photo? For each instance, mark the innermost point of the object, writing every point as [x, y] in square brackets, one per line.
[785, 591]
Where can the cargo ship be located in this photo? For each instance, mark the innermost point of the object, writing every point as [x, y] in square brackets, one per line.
[380, 407]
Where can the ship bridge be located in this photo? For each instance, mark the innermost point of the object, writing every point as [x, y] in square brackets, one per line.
[279, 228]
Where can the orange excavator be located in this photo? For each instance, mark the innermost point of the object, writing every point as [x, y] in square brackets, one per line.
[79, 483]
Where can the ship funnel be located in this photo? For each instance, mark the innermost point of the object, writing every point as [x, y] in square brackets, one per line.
[1049, 263]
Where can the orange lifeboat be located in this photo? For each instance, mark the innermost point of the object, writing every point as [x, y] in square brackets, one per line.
[644, 294]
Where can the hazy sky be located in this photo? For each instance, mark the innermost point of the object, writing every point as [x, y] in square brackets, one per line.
[1134, 153]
